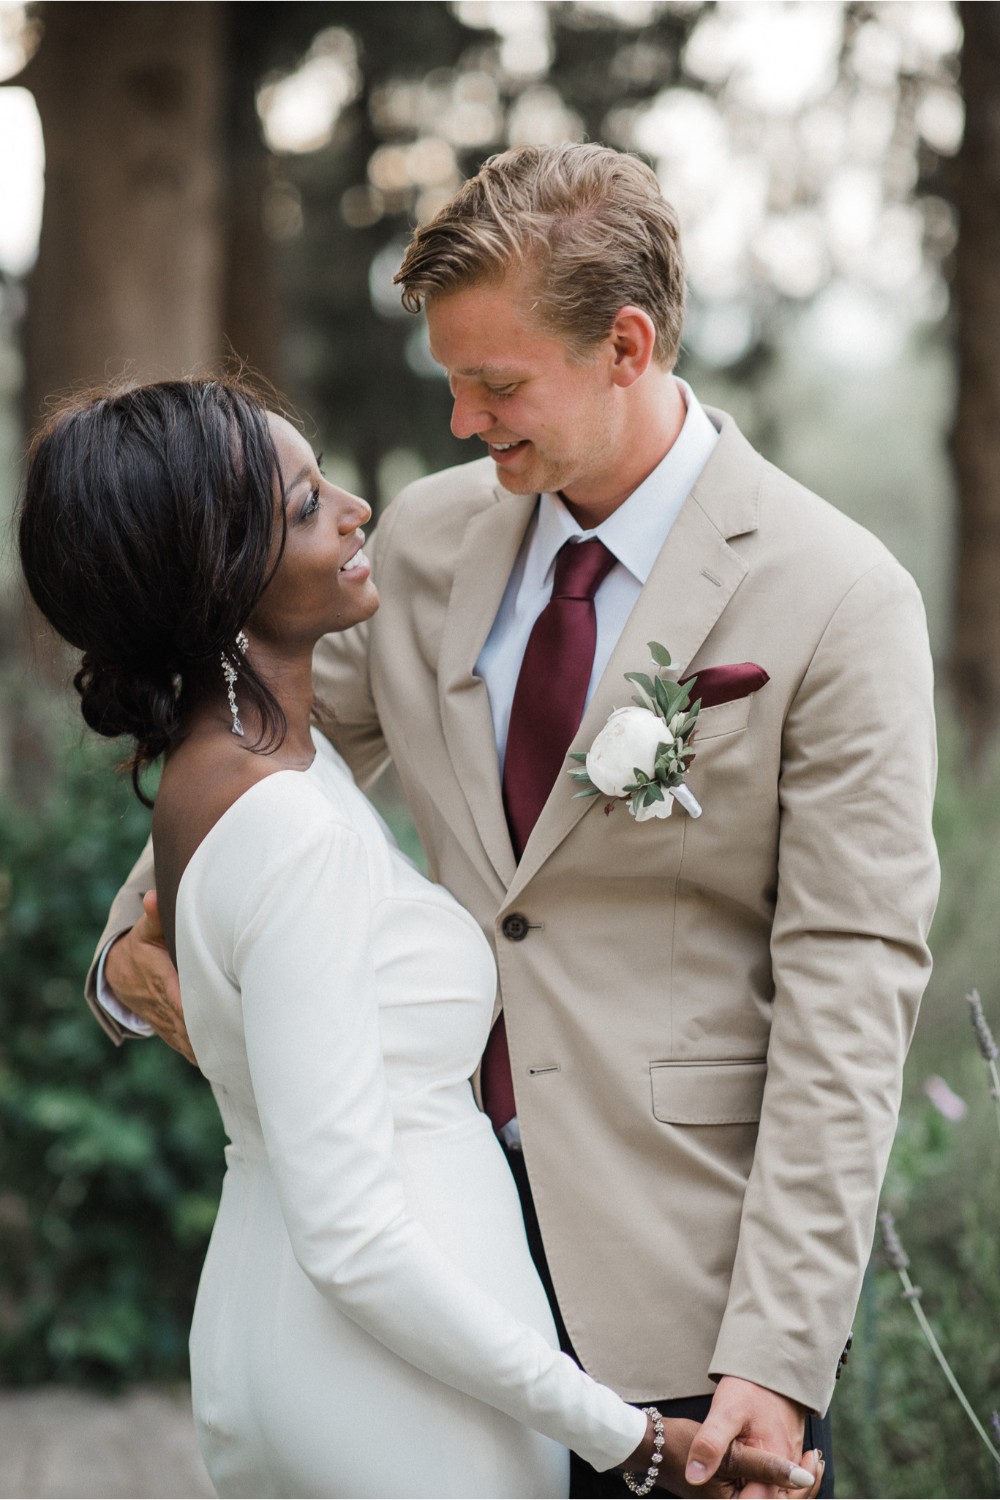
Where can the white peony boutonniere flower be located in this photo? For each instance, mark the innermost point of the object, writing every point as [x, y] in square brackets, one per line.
[626, 747]
[642, 753]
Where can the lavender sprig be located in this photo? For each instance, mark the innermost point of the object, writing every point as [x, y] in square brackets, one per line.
[987, 1046]
[899, 1260]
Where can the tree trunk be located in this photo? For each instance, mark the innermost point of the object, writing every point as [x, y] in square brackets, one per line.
[975, 665]
[253, 309]
[130, 265]
[130, 270]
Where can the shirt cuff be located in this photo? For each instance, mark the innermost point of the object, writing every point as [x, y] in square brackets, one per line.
[109, 1002]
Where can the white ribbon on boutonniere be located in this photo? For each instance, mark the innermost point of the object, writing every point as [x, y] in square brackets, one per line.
[642, 754]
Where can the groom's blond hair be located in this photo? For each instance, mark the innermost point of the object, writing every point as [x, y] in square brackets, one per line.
[587, 225]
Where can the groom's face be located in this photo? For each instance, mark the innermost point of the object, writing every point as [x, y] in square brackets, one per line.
[547, 419]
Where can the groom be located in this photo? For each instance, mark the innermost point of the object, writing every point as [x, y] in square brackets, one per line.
[697, 1068]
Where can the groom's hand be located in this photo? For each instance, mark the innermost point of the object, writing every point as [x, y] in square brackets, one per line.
[742, 1465]
[757, 1417]
[139, 970]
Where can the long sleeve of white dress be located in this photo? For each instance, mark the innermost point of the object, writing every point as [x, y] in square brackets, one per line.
[301, 955]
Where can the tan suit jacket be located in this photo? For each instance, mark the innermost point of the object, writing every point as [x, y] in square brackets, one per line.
[707, 1019]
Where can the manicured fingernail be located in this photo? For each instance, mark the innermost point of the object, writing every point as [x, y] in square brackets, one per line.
[801, 1479]
[697, 1473]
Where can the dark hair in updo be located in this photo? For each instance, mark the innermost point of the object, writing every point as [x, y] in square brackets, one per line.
[146, 531]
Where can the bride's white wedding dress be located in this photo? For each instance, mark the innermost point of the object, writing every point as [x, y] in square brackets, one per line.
[369, 1321]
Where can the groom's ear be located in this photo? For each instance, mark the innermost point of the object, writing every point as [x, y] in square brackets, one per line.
[633, 342]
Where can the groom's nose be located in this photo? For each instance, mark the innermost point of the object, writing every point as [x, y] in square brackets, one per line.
[469, 416]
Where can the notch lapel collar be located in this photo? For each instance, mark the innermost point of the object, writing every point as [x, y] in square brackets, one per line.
[486, 558]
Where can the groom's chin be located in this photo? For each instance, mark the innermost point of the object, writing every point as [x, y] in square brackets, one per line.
[515, 484]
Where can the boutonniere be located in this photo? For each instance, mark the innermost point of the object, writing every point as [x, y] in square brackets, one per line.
[643, 753]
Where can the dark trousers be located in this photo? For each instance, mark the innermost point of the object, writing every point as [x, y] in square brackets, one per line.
[585, 1481]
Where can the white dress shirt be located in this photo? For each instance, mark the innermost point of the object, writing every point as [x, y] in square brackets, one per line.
[634, 533]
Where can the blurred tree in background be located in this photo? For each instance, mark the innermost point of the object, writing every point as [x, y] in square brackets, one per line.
[227, 176]
[975, 189]
[232, 178]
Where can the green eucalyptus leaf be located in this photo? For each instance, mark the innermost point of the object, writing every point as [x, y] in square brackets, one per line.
[659, 653]
[593, 791]
[642, 681]
[678, 698]
[578, 755]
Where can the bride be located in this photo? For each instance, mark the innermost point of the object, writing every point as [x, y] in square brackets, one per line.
[369, 1321]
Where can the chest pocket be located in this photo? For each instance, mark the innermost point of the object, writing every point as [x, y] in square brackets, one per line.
[724, 718]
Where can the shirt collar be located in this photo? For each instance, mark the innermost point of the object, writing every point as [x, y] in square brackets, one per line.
[637, 530]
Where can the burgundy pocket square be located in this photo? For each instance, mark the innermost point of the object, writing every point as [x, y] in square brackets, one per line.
[715, 685]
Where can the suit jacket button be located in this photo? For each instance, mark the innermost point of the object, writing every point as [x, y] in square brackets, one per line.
[515, 927]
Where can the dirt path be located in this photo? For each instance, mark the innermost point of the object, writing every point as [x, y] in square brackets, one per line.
[68, 1443]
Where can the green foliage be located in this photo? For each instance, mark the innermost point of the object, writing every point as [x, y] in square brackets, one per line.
[110, 1159]
[898, 1429]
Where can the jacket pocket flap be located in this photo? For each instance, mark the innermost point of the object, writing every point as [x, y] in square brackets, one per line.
[723, 718]
[710, 1093]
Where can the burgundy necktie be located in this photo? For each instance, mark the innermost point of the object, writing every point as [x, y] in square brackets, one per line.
[548, 705]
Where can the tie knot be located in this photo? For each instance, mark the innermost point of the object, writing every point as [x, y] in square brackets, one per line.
[581, 568]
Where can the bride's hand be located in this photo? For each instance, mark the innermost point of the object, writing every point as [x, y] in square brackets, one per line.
[741, 1465]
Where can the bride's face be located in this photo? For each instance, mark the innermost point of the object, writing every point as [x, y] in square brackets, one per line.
[323, 581]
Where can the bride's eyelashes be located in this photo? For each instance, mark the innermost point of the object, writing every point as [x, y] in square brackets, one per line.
[311, 505]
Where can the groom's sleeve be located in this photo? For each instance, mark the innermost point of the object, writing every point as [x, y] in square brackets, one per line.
[126, 909]
[857, 885]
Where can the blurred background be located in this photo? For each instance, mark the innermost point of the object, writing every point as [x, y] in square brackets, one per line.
[186, 183]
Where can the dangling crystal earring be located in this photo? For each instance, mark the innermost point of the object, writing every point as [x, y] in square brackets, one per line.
[231, 675]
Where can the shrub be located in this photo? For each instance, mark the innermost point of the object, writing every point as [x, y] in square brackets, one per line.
[898, 1428]
[110, 1158]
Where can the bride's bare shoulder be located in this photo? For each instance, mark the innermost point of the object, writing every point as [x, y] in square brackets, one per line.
[201, 780]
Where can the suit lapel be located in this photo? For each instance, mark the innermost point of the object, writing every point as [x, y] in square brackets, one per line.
[691, 582]
[488, 552]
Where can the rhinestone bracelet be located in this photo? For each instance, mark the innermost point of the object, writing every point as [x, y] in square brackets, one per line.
[653, 1472]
